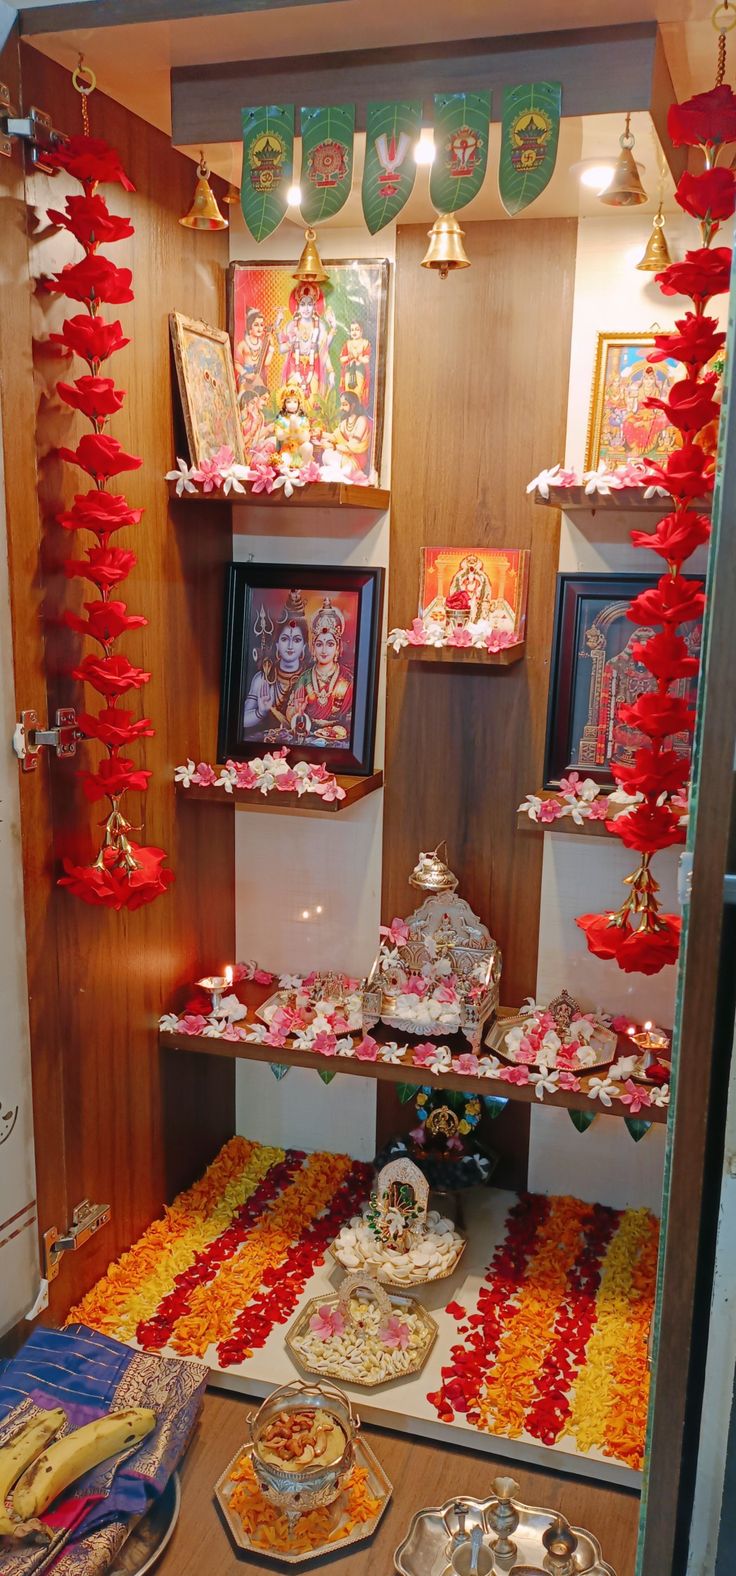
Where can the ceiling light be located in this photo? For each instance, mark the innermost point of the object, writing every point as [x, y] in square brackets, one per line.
[294, 196]
[424, 149]
[595, 176]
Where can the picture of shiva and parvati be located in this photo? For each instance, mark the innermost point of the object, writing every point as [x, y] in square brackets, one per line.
[300, 670]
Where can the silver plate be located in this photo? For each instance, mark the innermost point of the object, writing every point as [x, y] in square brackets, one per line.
[425, 1550]
[151, 1535]
[378, 1483]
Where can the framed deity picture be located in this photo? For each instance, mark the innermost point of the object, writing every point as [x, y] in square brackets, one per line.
[593, 674]
[461, 585]
[204, 369]
[300, 663]
[325, 345]
[621, 427]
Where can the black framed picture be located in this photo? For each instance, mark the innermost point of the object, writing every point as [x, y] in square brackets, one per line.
[300, 663]
[593, 674]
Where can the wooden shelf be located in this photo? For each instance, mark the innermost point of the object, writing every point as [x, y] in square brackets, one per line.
[476, 655]
[390, 1072]
[563, 824]
[316, 495]
[308, 804]
[627, 500]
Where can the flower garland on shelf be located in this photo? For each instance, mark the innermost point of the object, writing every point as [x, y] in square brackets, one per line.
[598, 483]
[583, 800]
[638, 936]
[557, 1343]
[124, 874]
[266, 773]
[482, 635]
[269, 472]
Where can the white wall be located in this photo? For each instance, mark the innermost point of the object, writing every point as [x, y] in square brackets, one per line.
[325, 866]
[19, 1271]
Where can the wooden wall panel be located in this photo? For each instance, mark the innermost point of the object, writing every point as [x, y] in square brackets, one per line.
[128, 1129]
[479, 406]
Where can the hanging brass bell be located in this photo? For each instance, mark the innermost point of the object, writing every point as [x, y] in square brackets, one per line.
[656, 253]
[445, 250]
[432, 873]
[232, 195]
[204, 213]
[310, 269]
[625, 189]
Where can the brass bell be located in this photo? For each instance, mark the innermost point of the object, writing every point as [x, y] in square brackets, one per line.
[656, 253]
[204, 213]
[432, 873]
[232, 195]
[310, 269]
[625, 189]
[445, 250]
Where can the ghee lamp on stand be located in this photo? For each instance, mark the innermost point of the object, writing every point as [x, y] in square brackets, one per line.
[652, 1042]
[217, 984]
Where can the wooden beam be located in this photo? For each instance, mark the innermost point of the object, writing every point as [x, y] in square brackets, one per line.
[123, 13]
[601, 70]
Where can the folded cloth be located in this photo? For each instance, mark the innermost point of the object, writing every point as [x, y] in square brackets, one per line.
[89, 1374]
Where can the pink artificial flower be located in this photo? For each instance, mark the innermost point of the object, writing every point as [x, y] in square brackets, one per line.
[514, 1075]
[460, 636]
[568, 1080]
[527, 1050]
[550, 810]
[327, 1322]
[325, 1044]
[367, 1051]
[204, 775]
[287, 781]
[264, 480]
[224, 458]
[397, 932]
[309, 979]
[263, 977]
[245, 777]
[545, 1021]
[209, 474]
[395, 1333]
[232, 1032]
[424, 1053]
[467, 1063]
[570, 784]
[242, 971]
[310, 472]
[636, 1097]
[274, 1037]
[416, 636]
[285, 1019]
[445, 992]
[329, 789]
[338, 1023]
[418, 1134]
[416, 985]
[567, 1054]
[598, 809]
[621, 1024]
[191, 1023]
[500, 639]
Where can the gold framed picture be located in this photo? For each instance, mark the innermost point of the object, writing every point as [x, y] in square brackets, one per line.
[204, 369]
[621, 426]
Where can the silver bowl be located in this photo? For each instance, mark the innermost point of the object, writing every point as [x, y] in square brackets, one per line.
[307, 1487]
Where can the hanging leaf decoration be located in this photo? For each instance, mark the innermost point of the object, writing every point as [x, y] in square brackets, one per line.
[268, 166]
[407, 1091]
[637, 1126]
[326, 1075]
[529, 135]
[390, 167]
[327, 160]
[461, 127]
[279, 1070]
[494, 1104]
[582, 1120]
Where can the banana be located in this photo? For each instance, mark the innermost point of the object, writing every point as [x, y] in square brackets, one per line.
[21, 1450]
[77, 1453]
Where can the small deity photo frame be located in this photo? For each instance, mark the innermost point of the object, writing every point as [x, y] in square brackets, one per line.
[471, 585]
[300, 664]
[204, 369]
[621, 426]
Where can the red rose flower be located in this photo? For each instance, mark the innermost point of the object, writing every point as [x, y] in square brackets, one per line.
[666, 656]
[114, 728]
[105, 621]
[658, 716]
[90, 221]
[674, 600]
[112, 887]
[92, 338]
[683, 473]
[100, 512]
[90, 160]
[698, 341]
[95, 279]
[675, 536]
[649, 951]
[654, 772]
[605, 934]
[114, 777]
[647, 828]
[704, 273]
[110, 675]
[104, 566]
[458, 602]
[100, 456]
[690, 403]
[97, 398]
[710, 195]
[705, 120]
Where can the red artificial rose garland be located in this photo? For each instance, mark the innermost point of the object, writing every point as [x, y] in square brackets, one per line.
[124, 875]
[707, 121]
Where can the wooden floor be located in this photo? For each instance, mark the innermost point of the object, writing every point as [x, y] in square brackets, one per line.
[421, 1473]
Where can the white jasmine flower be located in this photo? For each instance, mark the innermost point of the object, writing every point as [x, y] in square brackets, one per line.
[546, 1084]
[184, 774]
[602, 1089]
[168, 1022]
[183, 478]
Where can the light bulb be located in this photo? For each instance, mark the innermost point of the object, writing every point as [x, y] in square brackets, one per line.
[294, 196]
[424, 149]
[597, 177]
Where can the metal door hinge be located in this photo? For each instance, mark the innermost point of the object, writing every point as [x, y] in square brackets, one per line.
[86, 1220]
[35, 128]
[28, 738]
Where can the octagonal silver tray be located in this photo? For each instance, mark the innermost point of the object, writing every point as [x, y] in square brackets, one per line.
[427, 1547]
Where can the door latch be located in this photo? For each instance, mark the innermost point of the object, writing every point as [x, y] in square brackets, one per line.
[86, 1220]
[35, 128]
[28, 738]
